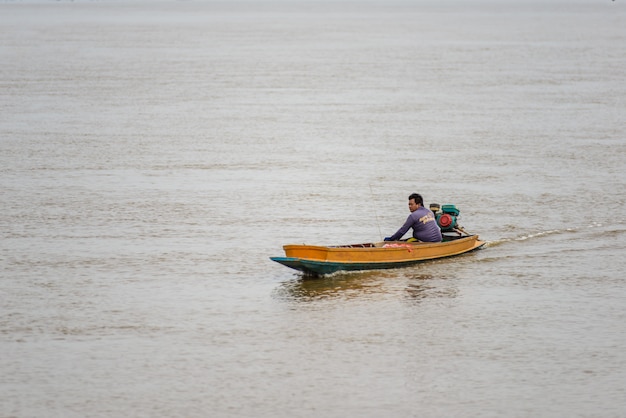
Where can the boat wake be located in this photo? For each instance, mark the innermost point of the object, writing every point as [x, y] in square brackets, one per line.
[541, 234]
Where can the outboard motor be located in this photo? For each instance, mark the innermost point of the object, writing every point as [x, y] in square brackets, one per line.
[446, 216]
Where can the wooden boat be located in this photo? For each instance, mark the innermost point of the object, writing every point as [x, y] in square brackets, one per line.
[317, 260]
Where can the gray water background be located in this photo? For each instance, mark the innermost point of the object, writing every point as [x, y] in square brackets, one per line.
[153, 155]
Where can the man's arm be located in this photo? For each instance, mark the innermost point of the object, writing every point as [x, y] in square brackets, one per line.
[403, 229]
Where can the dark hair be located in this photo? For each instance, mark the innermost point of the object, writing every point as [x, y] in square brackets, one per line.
[418, 198]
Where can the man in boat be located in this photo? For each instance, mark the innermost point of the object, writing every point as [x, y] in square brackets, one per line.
[422, 220]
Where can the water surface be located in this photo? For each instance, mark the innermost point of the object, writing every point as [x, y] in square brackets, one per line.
[155, 155]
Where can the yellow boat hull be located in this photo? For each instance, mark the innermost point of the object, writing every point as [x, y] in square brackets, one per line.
[313, 259]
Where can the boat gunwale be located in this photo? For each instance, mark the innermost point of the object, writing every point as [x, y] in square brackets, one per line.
[401, 245]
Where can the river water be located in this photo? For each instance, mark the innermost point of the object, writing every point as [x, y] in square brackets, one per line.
[154, 155]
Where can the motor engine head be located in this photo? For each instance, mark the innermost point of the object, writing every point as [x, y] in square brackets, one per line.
[446, 216]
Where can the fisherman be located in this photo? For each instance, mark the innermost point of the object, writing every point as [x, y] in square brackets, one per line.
[422, 220]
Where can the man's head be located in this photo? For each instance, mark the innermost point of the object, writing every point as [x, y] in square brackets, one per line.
[415, 201]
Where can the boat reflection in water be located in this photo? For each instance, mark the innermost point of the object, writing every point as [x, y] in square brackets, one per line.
[365, 285]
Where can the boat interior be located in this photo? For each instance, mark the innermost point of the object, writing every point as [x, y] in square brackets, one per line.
[456, 233]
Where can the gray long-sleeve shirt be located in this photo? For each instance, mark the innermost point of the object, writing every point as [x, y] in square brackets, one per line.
[424, 226]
